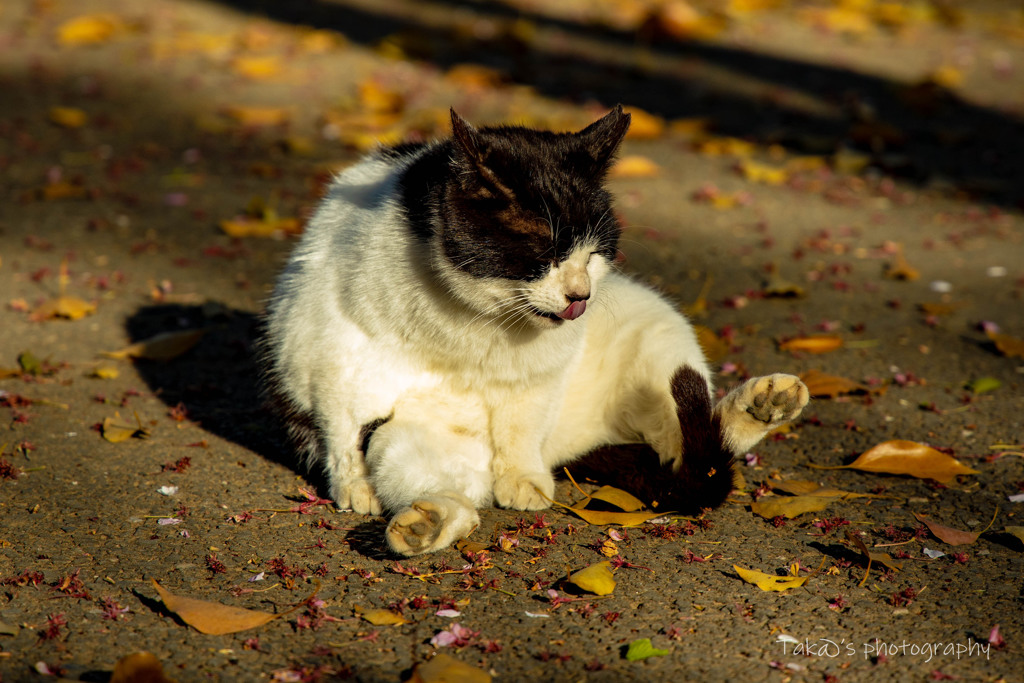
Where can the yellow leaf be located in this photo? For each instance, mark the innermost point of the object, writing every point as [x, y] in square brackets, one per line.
[910, 458]
[690, 127]
[779, 287]
[714, 348]
[947, 76]
[601, 517]
[446, 669]
[634, 166]
[104, 372]
[643, 125]
[380, 617]
[762, 173]
[139, 667]
[1016, 531]
[797, 487]
[767, 582]
[257, 68]
[89, 30]
[474, 77]
[815, 344]
[899, 269]
[163, 346]
[376, 98]
[214, 618]
[115, 430]
[257, 117]
[596, 579]
[68, 117]
[718, 147]
[791, 506]
[626, 502]
[67, 307]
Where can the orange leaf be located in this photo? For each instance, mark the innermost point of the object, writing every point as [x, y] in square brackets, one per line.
[644, 126]
[67, 307]
[714, 348]
[89, 30]
[139, 667]
[261, 227]
[1011, 347]
[257, 68]
[163, 346]
[910, 458]
[634, 166]
[258, 116]
[899, 269]
[952, 536]
[816, 344]
[214, 618]
[821, 385]
[68, 117]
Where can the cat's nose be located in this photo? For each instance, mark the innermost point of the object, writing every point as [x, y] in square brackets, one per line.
[577, 296]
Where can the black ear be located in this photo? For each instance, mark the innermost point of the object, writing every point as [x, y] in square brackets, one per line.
[471, 156]
[602, 137]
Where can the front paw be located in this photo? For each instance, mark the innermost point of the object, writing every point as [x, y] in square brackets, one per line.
[529, 491]
[774, 399]
[356, 495]
[416, 529]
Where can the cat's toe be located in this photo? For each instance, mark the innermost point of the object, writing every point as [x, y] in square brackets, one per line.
[776, 398]
[356, 495]
[532, 491]
[415, 529]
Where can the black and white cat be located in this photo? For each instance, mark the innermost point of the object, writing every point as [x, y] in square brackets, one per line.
[450, 329]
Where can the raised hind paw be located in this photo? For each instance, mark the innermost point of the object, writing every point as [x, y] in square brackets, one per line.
[775, 399]
[530, 491]
[758, 406]
[429, 525]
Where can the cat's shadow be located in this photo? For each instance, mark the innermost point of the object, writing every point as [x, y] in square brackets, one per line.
[217, 380]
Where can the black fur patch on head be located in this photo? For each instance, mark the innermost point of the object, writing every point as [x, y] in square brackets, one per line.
[510, 201]
[704, 479]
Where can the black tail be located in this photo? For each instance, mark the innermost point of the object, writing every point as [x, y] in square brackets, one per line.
[705, 477]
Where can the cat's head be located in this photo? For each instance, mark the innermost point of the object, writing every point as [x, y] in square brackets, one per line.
[527, 225]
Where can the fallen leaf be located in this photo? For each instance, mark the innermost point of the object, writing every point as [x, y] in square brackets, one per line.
[8, 629]
[953, 536]
[768, 582]
[634, 166]
[779, 287]
[66, 307]
[816, 344]
[910, 458]
[984, 384]
[643, 125]
[163, 346]
[89, 30]
[900, 269]
[714, 347]
[762, 173]
[116, 431]
[848, 162]
[790, 507]
[257, 67]
[446, 669]
[596, 579]
[872, 556]
[104, 372]
[247, 226]
[468, 546]
[1011, 347]
[941, 307]
[1016, 531]
[821, 385]
[68, 117]
[380, 617]
[716, 147]
[642, 649]
[257, 117]
[214, 618]
[626, 502]
[602, 517]
[139, 667]
[798, 487]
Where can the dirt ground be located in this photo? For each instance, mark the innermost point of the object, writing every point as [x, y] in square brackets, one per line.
[847, 173]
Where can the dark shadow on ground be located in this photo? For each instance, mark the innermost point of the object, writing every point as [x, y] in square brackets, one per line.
[921, 133]
[217, 381]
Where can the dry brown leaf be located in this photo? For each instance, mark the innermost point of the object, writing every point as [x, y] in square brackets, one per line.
[139, 667]
[790, 507]
[872, 555]
[768, 582]
[634, 166]
[1011, 347]
[626, 502]
[910, 458]
[467, 546]
[68, 117]
[446, 669]
[596, 579]
[214, 618]
[953, 536]
[164, 346]
[380, 617]
[714, 347]
[816, 344]
[66, 307]
[821, 385]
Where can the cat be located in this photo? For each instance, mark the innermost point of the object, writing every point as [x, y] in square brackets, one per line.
[451, 328]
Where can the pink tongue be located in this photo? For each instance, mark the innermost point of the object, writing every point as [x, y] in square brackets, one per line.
[574, 310]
